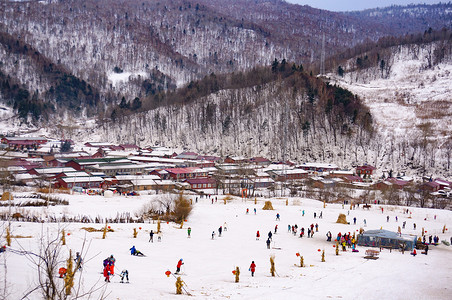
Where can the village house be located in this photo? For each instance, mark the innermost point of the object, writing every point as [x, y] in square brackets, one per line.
[290, 174]
[261, 161]
[235, 160]
[340, 173]
[24, 142]
[350, 178]
[261, 182]
[114, 169]
[83, 182]
[430, 186]
[49, 172]
[443, 184]
[179, 174]
[201, 183]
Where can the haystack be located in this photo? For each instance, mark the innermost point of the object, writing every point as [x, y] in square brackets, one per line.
[268, 205]
[342, 219]
[6, 196]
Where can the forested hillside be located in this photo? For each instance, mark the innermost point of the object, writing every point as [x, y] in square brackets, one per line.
[406, 84]
[135, 49]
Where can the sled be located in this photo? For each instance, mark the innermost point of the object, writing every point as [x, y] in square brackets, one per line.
[446, 243]
[371, 254]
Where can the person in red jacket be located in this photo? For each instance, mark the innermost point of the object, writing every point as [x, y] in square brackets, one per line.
[179, 264]
[252, 268]
[258, 235]
[107, 273]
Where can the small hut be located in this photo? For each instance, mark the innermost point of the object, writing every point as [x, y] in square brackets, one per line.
[386, 239]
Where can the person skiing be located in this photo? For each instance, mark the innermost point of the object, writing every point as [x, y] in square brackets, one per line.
[269, 235]
[124, 274]
[302, 213]
[179, 264]
[277, 216]
[354, 221]
[78, 261]
[62, 271]
[134, 251]
[111, 262]
[151, 236]
[107, 273]
[213, 235]
[328, 236]
[220, 230]
[254, 210]
[268, 243]
[225, 226]
[252, 268]
[189, 231]
[159, 236]
[258, 235]
[276, 228]
[247, 211]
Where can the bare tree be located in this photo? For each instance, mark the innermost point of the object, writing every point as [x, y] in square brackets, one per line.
[47, 262]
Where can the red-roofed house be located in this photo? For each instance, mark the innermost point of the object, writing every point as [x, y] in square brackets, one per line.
[443, 183]
[24, 141]
[398, 183]
[430, 186]
[186, 173]
[352, 178]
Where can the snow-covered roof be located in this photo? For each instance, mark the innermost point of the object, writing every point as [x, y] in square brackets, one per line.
[82, 179]
[319, 165]
[290, 171]
[388, 235]
[76, 174]
[137, 177]
[55, 170]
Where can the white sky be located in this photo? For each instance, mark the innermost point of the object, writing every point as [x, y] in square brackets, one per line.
[347, 5]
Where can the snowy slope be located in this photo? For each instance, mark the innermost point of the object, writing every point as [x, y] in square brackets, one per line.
[409, 95]
[209, 263]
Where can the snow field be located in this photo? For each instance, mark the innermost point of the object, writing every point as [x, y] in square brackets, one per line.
[209, 263]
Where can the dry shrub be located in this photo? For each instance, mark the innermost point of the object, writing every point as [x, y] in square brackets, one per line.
[228, 198]
[182, 208]
[91, 229]
[6, 196]
[268, 205]
[342, 219]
